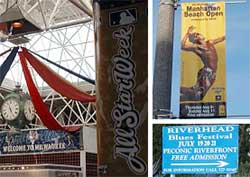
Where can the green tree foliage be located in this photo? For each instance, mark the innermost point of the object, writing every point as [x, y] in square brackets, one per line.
[244, 144]
[157, 143]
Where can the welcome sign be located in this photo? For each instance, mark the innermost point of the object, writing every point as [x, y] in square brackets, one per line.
[36, 141]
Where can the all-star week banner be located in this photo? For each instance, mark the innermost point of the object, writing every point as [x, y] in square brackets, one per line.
[121, 76]
[203, 74]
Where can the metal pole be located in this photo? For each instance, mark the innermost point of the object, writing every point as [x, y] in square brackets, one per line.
[227, 2]
[65, 24]
[81, 7]
[164, 54]
[235, 2]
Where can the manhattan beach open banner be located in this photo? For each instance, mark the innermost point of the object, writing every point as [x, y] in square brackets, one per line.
[203, 69]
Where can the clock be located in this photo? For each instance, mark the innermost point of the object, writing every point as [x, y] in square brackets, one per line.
[29, 110]
[17, 109]
[11, 109]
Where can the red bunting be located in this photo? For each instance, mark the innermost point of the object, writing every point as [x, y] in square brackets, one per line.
[57, 82]
[46, 117]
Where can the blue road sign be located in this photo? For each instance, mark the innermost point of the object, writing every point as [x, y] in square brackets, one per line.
[206, 149]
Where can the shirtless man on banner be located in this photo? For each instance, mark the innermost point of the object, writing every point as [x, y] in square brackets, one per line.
[205, 49]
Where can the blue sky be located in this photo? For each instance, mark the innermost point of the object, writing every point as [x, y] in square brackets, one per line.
[237, 57]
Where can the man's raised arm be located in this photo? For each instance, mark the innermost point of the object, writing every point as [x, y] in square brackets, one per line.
[184, 45]
[218, 40]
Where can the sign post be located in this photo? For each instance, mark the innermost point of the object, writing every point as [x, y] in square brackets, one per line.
[164, 58]
[203, 149]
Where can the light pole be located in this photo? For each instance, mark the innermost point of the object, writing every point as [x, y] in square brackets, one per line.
[164, 57]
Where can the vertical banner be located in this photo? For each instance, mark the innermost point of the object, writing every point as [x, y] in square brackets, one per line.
[121, 88]
[203, 75]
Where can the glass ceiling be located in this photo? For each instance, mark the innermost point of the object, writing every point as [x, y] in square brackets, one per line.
[47, 14]
[67, 38]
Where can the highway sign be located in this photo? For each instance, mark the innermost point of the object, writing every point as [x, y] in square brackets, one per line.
[206, 149]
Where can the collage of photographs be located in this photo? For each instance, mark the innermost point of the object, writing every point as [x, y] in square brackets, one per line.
[124, 88]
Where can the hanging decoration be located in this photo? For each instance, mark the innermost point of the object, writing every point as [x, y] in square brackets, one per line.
[65, 69]
[46, 117]
[203, 60]
[55, 81]
[5, 67]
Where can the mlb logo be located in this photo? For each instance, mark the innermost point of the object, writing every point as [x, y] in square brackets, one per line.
[122, 17]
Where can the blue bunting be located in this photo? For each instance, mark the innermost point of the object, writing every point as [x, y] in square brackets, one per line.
[5, 67]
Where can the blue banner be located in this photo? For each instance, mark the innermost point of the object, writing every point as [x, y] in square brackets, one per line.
[37, 141]
[5, 67]
[200, 149]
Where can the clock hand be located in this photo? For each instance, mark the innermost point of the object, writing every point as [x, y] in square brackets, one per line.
[29, 110]
[11, 111]
[9, 108]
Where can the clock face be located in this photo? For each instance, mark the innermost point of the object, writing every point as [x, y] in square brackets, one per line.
[29, 110]
[10, 109]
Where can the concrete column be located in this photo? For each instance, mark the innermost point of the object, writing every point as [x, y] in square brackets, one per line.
[83, 162]
[164, 57]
